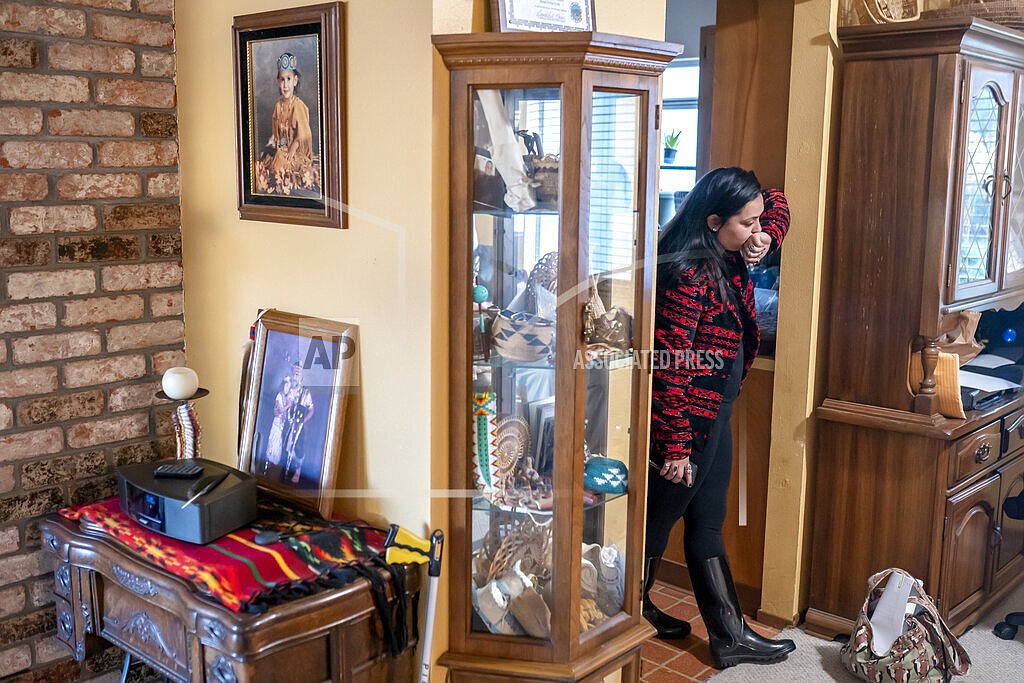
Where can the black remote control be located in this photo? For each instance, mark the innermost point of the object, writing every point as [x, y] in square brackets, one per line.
[182, 469]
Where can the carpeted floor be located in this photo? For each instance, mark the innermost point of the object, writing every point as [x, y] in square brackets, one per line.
[993, 660]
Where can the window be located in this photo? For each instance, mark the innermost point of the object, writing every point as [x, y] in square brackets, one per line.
[613, 164]
[615, 156]
[679, 113]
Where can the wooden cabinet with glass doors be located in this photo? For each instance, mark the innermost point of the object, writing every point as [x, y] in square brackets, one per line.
[553, 155]
[929, 222]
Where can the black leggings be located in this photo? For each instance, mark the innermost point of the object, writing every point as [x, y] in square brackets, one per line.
[702, 506]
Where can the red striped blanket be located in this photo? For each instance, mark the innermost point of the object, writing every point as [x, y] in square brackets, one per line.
[236, 572]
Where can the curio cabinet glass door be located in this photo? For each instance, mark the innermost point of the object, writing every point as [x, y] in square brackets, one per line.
[983, 181]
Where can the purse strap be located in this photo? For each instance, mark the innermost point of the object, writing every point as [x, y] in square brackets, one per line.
[958, 662]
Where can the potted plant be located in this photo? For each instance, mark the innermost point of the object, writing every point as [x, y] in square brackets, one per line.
[671, 144]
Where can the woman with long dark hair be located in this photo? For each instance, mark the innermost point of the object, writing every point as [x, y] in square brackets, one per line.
[705, 319]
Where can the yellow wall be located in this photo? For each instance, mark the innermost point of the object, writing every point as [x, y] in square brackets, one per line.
[378, 274]
[641, 18]
[387, 272]
[797, 362]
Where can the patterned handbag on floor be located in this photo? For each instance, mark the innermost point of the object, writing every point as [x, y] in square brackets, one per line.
[926, 650]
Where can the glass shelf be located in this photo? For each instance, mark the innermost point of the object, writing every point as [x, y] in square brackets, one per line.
[497, 362]
[613, 361]
[590, 502]
[509, 213]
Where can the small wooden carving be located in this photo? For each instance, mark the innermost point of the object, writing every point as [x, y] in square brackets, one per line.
[929, 360]
[86, 617]
[136, 584]
[143, 628]
[926, 400]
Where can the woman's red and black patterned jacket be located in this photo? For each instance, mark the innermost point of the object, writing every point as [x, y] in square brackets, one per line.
[702, 337]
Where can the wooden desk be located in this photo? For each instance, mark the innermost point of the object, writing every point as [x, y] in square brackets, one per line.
[103, 589]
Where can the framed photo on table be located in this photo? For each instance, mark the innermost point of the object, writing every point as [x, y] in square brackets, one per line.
[289, 115]
[300, 373]
[542, 15]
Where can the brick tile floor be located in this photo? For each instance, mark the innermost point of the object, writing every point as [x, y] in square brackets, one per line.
[672, 661]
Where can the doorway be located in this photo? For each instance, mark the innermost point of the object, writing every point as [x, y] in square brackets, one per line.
[740, 61]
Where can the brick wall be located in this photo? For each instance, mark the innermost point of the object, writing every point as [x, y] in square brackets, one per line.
[90, 281]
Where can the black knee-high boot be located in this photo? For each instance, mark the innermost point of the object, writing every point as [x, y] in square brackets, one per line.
[731, 640]
[669, 628]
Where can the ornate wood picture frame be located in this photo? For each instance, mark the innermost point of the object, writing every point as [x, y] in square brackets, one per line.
[542, 15]
[300, 374]
[290, 115]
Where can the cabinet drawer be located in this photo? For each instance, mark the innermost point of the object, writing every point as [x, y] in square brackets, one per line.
[975, 452]
[1013, 431]
[62, 580]
[69, 630]
[138, 625]
[65, 622]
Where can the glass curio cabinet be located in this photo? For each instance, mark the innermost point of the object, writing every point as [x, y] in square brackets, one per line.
[554, 146]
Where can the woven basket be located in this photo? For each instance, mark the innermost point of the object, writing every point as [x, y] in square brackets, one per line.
[886, 11]
[1006, 12]
[545, 179]
[544, 274]
[523, 337]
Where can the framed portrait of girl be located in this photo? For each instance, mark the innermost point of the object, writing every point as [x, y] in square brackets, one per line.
[289, 99]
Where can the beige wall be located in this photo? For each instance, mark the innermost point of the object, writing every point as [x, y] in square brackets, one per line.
[797, 361]
[377, 274]
[641, 18]
[387, 272]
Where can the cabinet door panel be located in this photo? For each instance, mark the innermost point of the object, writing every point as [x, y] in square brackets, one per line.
[966, 557]
[516, 250]
[1010, 552]
[611, 261]
[983, 136]
[1013, 218]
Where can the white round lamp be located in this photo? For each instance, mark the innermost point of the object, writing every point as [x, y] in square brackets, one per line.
[180, 383]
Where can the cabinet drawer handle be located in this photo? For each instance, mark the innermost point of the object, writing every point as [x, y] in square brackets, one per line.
[990, 185]
[63, 579]
[997, 536]
[66, 625]
[983, 452]
[221, 671]
[1009, 188]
